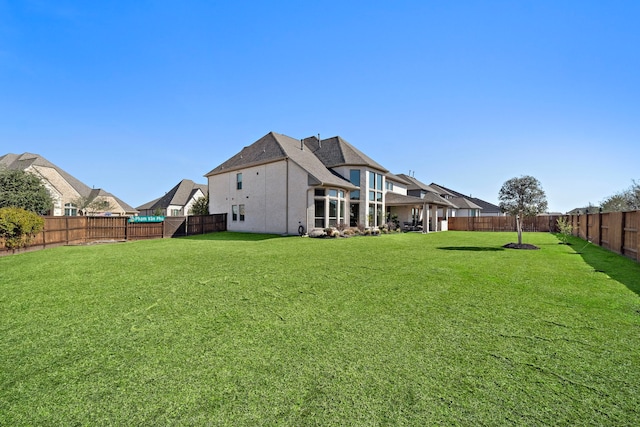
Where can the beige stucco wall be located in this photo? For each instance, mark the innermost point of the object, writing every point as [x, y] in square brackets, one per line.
[264, 194]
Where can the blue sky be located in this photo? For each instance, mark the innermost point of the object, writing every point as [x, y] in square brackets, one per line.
[133, 96]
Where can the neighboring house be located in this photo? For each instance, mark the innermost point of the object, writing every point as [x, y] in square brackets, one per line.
[283, 185]
[177, 201]
[470, 206]
[70, 196]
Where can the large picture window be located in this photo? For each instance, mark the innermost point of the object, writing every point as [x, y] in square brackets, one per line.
[329, 208]
[375, 215]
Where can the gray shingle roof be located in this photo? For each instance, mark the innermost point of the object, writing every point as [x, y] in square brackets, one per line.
[336, 151]
[464, 203]
[395, 199]
[25, 160]
[484, 205]
[415, 184]
[275, 147]
[179, 195]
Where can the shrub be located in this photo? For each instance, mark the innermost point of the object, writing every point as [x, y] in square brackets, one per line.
[565, 229]
[18, 227]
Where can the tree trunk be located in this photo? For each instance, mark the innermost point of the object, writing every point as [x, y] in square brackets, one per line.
[519, 227]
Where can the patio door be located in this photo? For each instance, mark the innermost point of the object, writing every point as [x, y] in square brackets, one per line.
[354, 214]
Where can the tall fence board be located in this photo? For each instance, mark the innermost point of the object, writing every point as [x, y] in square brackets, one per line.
[72, 230]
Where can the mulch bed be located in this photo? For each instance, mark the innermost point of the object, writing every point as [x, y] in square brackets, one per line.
[522, 246]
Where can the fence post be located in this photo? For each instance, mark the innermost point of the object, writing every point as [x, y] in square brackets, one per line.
[622, 231]
[600, 227]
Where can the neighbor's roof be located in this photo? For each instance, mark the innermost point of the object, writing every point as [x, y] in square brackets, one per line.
[275, 147]
[178, 195]
[99, 192]
[464, 203]
[415, 184]
[484, 205]
[335, 151]
[25, 160]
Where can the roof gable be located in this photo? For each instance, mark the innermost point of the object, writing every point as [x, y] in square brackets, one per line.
[265, 150]
[336, 151]
[276, 147]
[179, 195]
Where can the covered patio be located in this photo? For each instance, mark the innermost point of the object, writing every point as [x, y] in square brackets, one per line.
[419, 214]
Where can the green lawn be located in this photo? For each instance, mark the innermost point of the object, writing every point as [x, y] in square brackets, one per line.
[236, 329]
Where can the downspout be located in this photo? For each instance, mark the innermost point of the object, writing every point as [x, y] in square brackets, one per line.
[286, 215]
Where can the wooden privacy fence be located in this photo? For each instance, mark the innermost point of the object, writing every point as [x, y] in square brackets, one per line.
[544, 223]
[616, 231]
[76, 230]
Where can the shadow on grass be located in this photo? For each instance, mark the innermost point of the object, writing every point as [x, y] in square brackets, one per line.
[471, 248]
[234, 237]
[618, 267]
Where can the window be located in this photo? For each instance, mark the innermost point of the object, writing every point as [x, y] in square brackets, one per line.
[234, 213]
[389, 185]
[354, 195]
[354, 177]
[319, 215]
[70, 209]
[239, 181]
[241, 212]
[329, 207]
[375, 215]
[175, 212]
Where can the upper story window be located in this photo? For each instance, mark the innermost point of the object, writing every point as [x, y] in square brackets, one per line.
[354, 177]
[389, 185]
[239, 181]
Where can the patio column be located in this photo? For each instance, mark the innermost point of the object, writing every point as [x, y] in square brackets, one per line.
[425, 218]
[434, 217]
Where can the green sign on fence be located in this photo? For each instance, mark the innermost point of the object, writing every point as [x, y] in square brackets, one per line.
[152, 218]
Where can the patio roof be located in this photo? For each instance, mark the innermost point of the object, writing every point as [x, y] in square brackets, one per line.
[395, 199]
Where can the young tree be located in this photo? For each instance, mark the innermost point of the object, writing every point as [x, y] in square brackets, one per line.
[200, 206]
[522, 197]
[88, 206]
[21, 189]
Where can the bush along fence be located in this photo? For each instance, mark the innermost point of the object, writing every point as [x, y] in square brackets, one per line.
[78, 230]
[615, 231]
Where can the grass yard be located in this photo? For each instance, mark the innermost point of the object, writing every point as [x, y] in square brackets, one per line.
[236, 329]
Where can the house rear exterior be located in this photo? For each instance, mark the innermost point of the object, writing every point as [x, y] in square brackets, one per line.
[282, 185]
